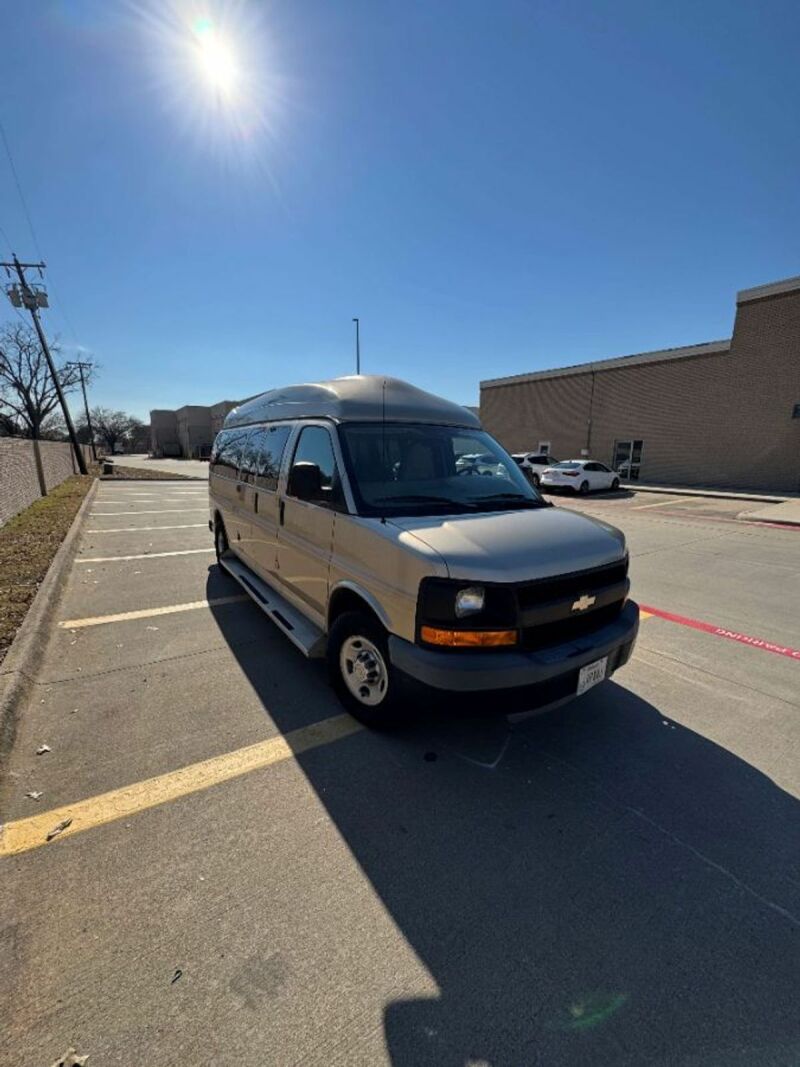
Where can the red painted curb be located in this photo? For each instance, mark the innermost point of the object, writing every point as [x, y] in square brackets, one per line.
[720, 631]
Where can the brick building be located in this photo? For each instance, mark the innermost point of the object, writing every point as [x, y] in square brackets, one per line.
[723, 413]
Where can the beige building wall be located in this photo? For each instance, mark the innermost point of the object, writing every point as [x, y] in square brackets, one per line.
[218, 413]
[194, 430]
[719, 414]
[164, 433]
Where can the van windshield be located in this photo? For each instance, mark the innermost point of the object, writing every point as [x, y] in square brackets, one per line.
[414, 469]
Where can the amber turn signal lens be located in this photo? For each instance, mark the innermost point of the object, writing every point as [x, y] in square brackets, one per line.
[468, 638]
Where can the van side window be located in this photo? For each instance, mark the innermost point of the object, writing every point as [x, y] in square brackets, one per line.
[227, 452]
[249, 458]
[314, 446]
[267, 444]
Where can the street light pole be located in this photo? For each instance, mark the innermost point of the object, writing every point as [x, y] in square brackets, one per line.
[87, 366]
[32, 299]
[358, 347]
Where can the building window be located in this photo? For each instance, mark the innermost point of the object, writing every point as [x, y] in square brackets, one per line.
[544, 448]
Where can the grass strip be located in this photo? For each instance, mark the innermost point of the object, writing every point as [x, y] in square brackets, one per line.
[28, 543]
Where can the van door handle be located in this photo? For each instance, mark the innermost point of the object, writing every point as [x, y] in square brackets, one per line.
[281, 508]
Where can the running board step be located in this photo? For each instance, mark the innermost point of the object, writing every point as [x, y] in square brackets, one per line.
[302, 633]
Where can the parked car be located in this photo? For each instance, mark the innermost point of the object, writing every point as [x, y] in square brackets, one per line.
[579, 475]
[341, 509]
[533, 463]
[479, 463]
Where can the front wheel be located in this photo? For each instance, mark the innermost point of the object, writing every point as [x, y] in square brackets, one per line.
[361, 672]
[615, 485]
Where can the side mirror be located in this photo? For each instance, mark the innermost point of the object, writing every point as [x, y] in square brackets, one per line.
[305, 482]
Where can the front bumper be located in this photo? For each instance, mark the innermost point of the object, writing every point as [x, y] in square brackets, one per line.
[553, 670]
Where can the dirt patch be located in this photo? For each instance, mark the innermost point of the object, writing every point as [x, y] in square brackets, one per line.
[28, 543]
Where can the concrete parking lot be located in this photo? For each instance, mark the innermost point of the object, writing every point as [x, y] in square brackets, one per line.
[250, 878]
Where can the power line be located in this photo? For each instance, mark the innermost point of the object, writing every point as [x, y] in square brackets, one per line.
[56, 301]
[19, 190]
[4, 235]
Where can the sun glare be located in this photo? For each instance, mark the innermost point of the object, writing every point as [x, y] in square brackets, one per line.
[215, 71]
[216, 59]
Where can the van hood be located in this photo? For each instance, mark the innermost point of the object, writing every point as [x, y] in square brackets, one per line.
[517, 546]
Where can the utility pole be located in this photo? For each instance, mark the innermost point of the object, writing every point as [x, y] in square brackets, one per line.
[81, 367]
[358, 347]
[33, 299]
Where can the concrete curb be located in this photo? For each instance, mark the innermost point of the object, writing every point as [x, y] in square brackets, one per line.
[17, 669]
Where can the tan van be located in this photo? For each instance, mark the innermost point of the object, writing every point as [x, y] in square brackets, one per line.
[357, 516]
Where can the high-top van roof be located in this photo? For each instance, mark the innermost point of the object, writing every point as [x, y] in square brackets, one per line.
[356, 398]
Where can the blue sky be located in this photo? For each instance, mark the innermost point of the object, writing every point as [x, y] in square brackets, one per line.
[493, 187]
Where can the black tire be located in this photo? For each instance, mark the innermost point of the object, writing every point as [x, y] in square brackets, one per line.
[220, 539]
[347, 631]
[535, 480]
[615, 485]
[584, 488]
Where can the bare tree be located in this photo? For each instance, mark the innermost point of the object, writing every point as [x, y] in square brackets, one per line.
[28, 398]
[114, 427]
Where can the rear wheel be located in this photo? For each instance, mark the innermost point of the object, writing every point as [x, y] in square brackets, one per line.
[584, 488]
[361, 672]
[535, 480]
[220, 539]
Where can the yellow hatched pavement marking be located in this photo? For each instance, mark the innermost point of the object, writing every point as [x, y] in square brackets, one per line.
[26, 834]
[149, 613]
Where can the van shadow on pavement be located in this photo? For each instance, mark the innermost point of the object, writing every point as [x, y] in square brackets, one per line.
[615, 890]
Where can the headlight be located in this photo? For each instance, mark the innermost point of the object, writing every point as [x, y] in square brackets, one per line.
[470, 601]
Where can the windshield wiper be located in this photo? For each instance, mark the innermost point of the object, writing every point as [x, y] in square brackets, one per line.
[528, 502]
[419, 498]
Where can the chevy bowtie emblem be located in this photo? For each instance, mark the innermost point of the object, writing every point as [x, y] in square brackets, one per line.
[583, 603]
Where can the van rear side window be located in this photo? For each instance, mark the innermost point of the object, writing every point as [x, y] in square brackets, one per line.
[226, 456]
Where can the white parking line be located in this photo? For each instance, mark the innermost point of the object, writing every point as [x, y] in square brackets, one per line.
[143, 529]
[129, 498]
[157, 511]
[144, 555]
[150, 613]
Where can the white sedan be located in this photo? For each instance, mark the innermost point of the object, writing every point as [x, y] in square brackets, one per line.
[579, 475]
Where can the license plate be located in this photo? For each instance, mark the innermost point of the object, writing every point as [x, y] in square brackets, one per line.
[591, 674]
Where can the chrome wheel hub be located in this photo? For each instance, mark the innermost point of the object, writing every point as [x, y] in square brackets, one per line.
[363, 670]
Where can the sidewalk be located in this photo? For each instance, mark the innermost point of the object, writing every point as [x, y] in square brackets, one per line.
[786, 514]
[720, 494]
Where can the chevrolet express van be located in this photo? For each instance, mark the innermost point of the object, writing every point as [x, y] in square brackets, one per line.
[347, 510]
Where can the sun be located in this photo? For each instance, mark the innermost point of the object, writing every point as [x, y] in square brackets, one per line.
[216, 59]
